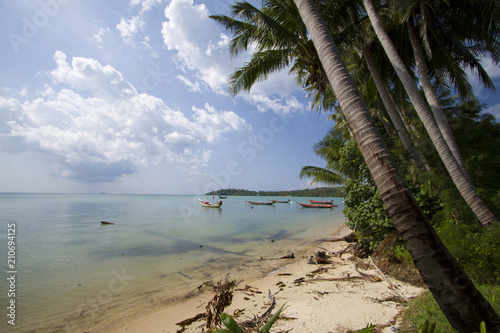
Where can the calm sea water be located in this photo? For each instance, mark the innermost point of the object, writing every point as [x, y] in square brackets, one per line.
[76, 275]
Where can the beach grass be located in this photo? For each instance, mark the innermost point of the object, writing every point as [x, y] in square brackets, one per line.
[424, 308]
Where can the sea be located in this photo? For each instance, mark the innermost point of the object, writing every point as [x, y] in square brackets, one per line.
[65, 271]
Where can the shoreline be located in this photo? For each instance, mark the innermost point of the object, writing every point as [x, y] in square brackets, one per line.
[320, 298]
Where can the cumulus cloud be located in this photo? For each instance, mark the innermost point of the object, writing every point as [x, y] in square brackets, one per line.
[198, 42]
[203, 52]
[129, 28]
[96, 127]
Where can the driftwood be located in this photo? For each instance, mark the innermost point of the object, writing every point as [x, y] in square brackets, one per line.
[189, 321]
[341, 252]
[393, 286]
[271, 307]
[344, 278]
[368, 277]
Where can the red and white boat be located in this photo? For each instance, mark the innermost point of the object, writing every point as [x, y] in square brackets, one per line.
[321, 202]
[204, 203]
[315, 205]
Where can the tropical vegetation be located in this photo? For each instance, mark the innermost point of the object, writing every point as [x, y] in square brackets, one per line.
[308, 192]
[412, 158]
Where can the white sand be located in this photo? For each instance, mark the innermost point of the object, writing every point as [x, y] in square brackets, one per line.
[317, 305]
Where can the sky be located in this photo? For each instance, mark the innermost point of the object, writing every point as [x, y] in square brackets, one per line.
[130, 97]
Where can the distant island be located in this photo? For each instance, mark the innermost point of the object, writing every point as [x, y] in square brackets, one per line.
[310, 192]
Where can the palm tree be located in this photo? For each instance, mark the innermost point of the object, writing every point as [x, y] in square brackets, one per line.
[462, 182]
[457, 296]
[428, 15]
[282, 41]
[329, 149]
[392, 109]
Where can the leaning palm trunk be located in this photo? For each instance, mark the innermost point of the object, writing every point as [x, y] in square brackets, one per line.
[457, 296]
[391, 110]
[431, 97]
[462, 182]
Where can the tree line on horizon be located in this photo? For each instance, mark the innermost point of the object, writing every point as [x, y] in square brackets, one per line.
[410, 144]
[324, 192]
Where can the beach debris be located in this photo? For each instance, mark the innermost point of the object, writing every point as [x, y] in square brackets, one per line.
[299, 281]
[318, 271]
[368, 277]
[271, 307]
[319, 258]
[189, 321]
[341, 252]
[223, 298]
[289, 256]
[391, 285]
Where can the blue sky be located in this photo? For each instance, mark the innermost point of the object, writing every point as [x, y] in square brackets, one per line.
[130, 97]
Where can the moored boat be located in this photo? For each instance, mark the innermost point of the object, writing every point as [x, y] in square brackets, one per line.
[210, 205]
[321, 202]
[269, 203]
[315, 205]
[280, 201]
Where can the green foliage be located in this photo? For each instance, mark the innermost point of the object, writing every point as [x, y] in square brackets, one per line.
[425, 309]
[233, 327]
[312, 192]
[368, 329]
[230, 323]
[476, 249]
[427, 327]
[363, 208]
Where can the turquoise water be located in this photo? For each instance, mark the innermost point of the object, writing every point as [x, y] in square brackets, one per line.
[74, 274]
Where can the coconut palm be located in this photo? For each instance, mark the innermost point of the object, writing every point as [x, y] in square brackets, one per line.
[462, 181]
[329, 149]
[281, 41]
[457, 296]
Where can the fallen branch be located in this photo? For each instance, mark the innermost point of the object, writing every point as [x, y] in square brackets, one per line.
[271, 307]
[189, 321]
[393, 286]
[347, 278]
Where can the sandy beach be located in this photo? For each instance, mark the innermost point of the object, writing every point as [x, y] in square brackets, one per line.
[346, 294]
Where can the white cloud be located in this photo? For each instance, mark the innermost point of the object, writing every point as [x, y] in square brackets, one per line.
[193, 86]
[204, 53]
[198, 42]
[98, 36]
[494, 110]
[128, 28]
[104, 128]
[146, 4]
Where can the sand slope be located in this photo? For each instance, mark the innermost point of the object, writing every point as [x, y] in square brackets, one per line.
[343, 295]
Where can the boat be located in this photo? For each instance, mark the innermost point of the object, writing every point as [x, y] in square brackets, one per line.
[260, 202]
[280, 201]
[321, 202]
[315, 205]
[104, 222]
[204, 203]
[222, 197]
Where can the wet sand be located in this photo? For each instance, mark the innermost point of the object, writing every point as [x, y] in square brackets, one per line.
[339, 297]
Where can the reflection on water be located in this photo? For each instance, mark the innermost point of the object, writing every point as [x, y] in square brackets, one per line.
[76, 274]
